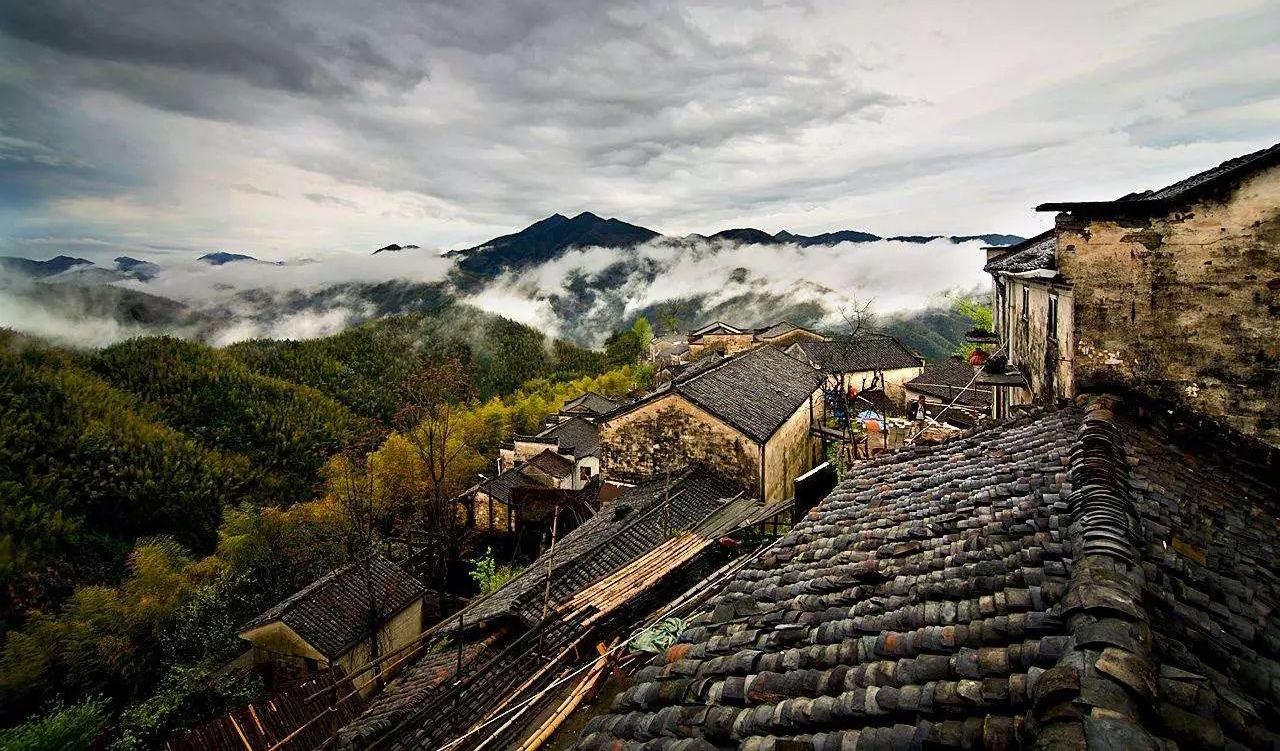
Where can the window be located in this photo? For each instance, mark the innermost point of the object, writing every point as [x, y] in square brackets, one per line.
[584, 473]
[1053, 316]
[1026, 303]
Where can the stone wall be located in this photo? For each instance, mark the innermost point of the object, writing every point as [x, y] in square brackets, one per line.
[791, 451]
[1045, 360]
[682, 433]
[727, 344]
[1186, 305]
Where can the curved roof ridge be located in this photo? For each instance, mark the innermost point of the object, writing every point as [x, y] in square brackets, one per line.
[1106, 681]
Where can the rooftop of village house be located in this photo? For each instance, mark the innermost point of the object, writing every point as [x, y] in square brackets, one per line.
[575, 436]
[754, 391]
[770, 331]
[865, 351]
[950, 380]
[331, 614]
[591, 403]
[1159, 200]
[1031, 255]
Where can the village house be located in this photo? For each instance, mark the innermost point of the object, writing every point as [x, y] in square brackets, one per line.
[589, 407]
[1174, 292]
[729, 340]
[749, 415]
[577, 438]
[951, 392]
[1033, 310]
[868, 361]
[329, 622]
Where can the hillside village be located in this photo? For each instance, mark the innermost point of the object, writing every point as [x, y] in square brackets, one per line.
[803, 540]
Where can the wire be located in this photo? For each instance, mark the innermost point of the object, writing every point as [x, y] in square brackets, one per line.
[976, 373]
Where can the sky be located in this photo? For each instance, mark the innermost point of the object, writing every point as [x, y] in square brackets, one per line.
[287, 128]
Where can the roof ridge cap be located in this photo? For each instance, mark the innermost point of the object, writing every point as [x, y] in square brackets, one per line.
[1103, 610]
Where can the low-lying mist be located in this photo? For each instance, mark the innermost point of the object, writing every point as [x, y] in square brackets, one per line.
[582, 295]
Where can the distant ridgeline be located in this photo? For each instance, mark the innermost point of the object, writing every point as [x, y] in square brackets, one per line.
[586, 307]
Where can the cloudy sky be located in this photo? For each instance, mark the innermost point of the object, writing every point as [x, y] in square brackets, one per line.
[289, 127]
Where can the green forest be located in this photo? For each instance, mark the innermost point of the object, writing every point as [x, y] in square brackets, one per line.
[157, 493]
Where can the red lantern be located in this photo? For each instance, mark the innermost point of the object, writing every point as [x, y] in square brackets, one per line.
[977, 357]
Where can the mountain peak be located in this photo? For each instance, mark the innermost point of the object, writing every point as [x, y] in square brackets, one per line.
[547, 239]
[219, 257]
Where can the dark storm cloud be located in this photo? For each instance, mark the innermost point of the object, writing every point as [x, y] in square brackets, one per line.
[263, 43]
[252, 123]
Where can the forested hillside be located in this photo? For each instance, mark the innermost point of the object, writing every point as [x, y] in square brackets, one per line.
[156, 493]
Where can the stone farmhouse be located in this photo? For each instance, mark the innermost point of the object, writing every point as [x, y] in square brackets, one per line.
[748, 414]
[1175, 292]
[729, 340]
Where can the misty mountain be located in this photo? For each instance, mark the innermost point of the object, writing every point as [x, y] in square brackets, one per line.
[550, 238]
[546, 240]
[220, 257]
[141, 270]
[32, 269]
[746, 236]
[827, 238]
[578, 278]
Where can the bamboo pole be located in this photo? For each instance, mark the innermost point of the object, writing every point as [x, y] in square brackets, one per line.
[570, 703]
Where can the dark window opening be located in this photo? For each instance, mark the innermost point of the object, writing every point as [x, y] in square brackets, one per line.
[584, 473]
[1053, 317]
[1026, 303]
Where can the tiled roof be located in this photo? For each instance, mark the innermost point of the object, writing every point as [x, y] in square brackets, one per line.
[552, 463]
[1067, 579]
[754, 391]
[951, 379]
[501, 486]
[867, 351]
[330, 613]
[591, 402]
[776, 329]
[1034, 254]
[716, 327]
[1186, 188]
[614, 535]
[575, 435]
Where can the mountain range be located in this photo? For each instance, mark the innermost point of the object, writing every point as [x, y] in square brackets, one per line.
[550, 238]
[584, 305]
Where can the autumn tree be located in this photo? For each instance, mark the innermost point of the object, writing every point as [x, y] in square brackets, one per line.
[433, 419]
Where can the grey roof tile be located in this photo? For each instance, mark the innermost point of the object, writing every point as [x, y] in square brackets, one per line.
[867, 351]
[331, 613]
